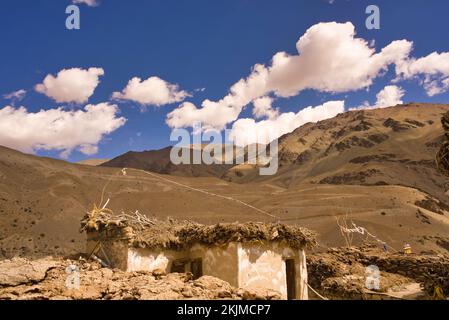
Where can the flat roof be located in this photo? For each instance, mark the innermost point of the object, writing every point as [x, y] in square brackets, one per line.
[143, 232]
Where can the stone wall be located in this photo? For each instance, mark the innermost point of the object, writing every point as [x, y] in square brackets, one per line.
[342, 263]
[430, 271]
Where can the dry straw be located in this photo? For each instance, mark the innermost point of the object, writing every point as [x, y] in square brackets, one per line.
[144, 232]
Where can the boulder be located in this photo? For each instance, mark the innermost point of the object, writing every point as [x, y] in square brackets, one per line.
[20, 271]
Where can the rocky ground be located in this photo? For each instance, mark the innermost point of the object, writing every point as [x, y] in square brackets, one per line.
[339, 273]
[45, 279]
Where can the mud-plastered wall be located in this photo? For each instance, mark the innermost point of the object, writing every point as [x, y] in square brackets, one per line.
[264, 266]
[151, 260]
[219, 261]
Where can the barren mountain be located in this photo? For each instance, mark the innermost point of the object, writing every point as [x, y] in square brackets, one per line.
[159, 161]
[374, 167]
[42, 201]
[391, 146]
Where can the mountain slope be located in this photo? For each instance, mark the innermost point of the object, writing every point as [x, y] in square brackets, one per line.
[392, 146]
[42, 201]
[159, 161]
[93, 162]
[373, 167]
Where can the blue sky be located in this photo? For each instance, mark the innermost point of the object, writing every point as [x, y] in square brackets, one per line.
[194, 44]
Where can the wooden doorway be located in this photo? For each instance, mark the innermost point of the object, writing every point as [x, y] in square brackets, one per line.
[290, 272]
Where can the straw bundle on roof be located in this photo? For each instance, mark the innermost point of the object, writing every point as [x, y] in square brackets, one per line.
[144, 232]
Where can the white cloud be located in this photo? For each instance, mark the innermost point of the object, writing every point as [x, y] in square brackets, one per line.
[330, 59]
[90, 3]
[432, 69]
[215, 115]
[71, 85]
[16, 95]
[248, 131]
[434, 63]
[153, 91]
[212, 115]
[389, 96]
[58, 129]
[263, 108]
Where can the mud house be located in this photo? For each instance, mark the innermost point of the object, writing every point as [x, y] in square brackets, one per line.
[264, 255]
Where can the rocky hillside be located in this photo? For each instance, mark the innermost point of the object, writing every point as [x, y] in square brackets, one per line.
[392, 146]
[159, 161]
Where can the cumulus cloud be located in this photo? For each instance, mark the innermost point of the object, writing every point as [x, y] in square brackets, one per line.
[263, 108]
[153, 91]
[211, 115]
[90, 3]
[71, 85]
[432, 69]
[249, 131]
[16, 95]
[330, 59]
[216, 114]
[58, 129]
[389, 96]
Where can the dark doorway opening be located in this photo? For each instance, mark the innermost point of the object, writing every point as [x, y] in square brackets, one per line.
[291, 278]
[178, 266]
[196, 267]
